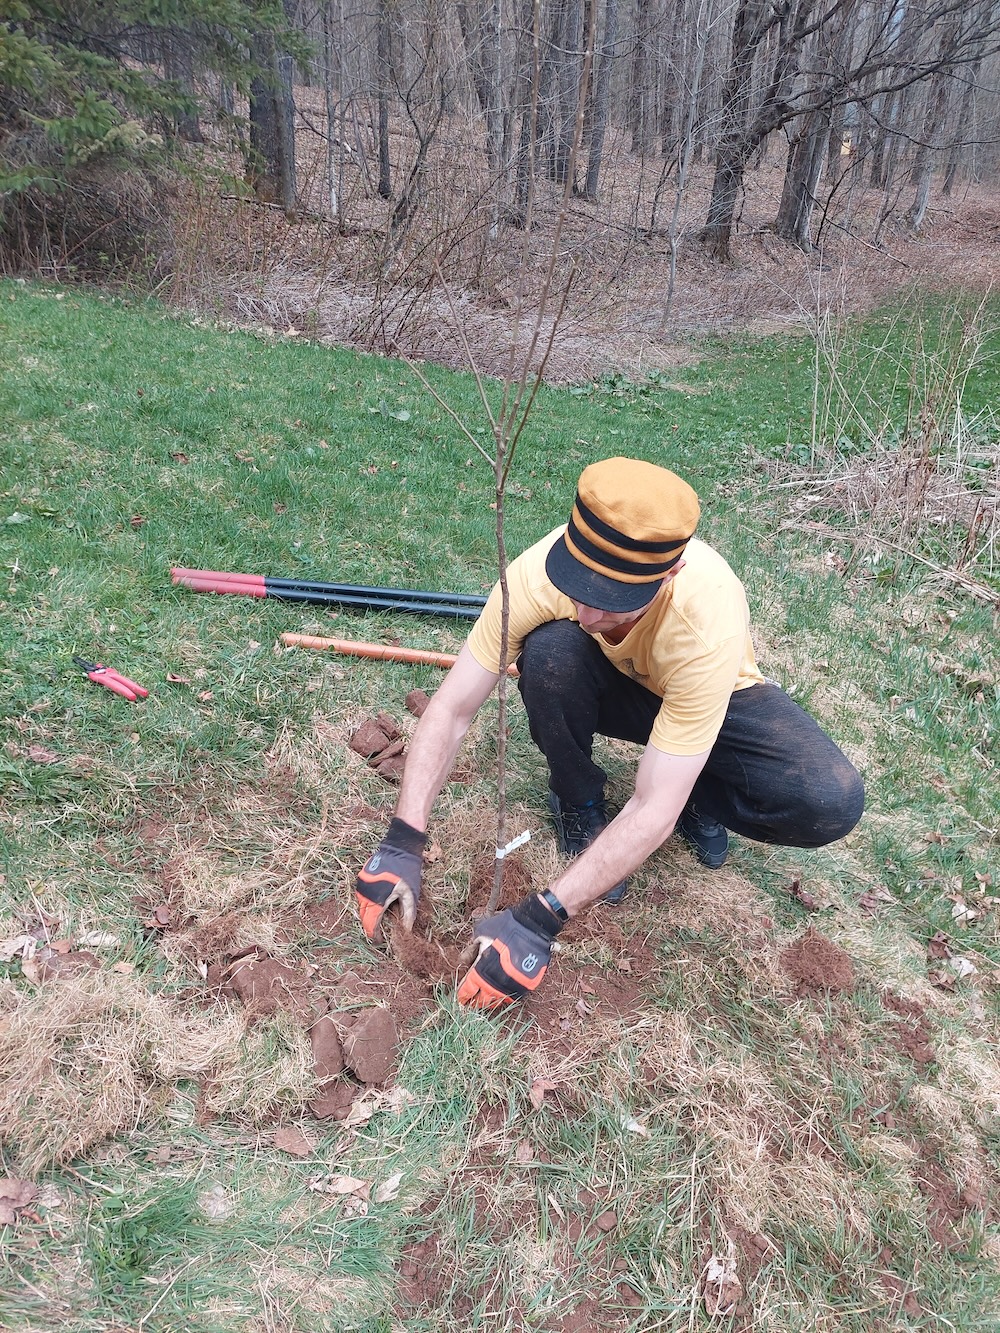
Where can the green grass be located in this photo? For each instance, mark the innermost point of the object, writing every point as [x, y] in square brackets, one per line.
[231, 795]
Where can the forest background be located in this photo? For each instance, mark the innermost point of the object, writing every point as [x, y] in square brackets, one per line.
[348, 171]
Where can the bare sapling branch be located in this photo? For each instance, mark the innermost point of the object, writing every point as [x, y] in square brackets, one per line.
[523, 378]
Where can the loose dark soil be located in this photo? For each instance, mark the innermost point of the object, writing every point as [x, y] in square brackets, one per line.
[912, 1032]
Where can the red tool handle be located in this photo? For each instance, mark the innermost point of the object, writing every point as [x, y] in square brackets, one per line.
[101, 677]
[140, 690]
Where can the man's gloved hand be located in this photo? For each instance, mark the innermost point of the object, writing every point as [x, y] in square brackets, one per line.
[514, 951]
[392, 875]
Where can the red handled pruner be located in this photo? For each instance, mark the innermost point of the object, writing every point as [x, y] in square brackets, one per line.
[111, 680]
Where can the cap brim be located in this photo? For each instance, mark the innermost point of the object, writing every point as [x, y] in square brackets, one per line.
[581, 584]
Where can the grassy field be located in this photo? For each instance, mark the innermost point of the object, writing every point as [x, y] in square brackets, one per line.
[762, 1098]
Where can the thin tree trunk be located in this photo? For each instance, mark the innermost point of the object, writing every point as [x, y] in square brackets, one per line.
[602, 99]
[383, 61]
[733, 151]
[178, 66]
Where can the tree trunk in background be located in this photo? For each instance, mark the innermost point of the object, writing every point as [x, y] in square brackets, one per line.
[732, 155]
[963, 131]
[271, 159]
[569, 67]
[178, 66]
[383, 75]
[640, 99]
[935, 113]
[798, 192]
[527, 92]
[602, 99]
[810, 141]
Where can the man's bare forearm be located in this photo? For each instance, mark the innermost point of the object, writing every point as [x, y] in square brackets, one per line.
[663, 784]
[428, 762]
[621, 848]
[438, 736]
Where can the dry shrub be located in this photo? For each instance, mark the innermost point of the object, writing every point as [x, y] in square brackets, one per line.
[103, 224]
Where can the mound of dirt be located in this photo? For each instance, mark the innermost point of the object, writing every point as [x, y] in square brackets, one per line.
[817, 966]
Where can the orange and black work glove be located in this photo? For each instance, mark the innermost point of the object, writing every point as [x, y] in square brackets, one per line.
[392, 875]
[514, 952]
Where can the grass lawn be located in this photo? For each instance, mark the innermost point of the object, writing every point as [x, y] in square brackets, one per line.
[762, 1098]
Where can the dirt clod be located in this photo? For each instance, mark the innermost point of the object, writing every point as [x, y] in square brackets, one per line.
[912, 1033]
[370, 1046]
[53, 965]
[369, 739]
[416, 702]
[816, 966]
[334, 1100]
[265, 983]
[328, 1053]
[388, 725]
[391, 769]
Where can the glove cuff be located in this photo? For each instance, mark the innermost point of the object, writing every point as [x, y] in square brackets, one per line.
[405, 837]
[536, 917]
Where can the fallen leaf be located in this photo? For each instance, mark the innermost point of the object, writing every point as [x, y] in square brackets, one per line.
[583, 1008]
[39, 755]
[161, 918]
[174, 679]
[524, 1152]
[18, 946]
[14, 1195]
[634, 1126]
[97, 939]
[538, 1089]
[330, 1184]
[937, 946]
[721, 1289]
[389, 1189]
[204, 696]
[137, 520]
[215, 1203]
[962, 967]
[803, 896]
[962, 912]
[291, 1140]
[942, 980]
[180, 457]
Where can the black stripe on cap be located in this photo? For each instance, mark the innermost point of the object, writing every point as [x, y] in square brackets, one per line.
[611, 534]
[621, 564]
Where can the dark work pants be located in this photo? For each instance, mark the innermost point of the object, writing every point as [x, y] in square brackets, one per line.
[772, 774]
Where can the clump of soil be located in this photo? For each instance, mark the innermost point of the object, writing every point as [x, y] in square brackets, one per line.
[817, 966]
[379, 740]
[945, 1208]
[517, 883]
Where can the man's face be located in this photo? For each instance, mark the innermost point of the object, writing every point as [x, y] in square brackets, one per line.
[596, 621]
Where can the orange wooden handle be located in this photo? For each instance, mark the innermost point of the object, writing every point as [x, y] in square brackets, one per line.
[382, 651]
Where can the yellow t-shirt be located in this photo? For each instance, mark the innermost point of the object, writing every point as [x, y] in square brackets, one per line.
[692, 647]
